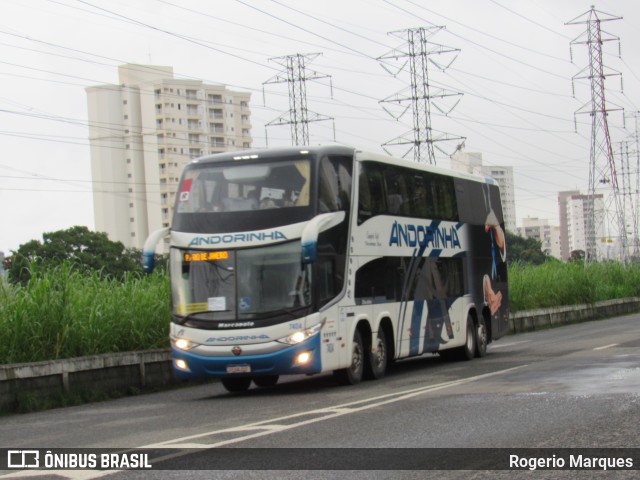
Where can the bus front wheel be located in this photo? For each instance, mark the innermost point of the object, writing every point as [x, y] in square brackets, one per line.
[236, 384]
[352, 375]
[266, 380]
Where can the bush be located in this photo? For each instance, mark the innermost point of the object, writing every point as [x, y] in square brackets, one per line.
[555, 284]
[65, 312]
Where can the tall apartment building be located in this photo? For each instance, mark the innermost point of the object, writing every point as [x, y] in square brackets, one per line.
[539, 229]
[143, 131]
[575, 210]
[471, 162]
[563, 197]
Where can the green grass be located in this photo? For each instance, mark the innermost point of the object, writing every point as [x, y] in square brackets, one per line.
[555, 284]
[63, 312]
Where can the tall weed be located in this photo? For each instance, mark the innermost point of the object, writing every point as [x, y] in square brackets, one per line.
[62, 312]
[555, 284]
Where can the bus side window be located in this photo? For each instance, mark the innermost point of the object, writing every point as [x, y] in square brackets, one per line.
[378, 191]
[364, 196]
[441, 197]
[334, 184]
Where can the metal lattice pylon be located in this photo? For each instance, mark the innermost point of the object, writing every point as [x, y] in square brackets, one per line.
[295, 74]
[630, 166]
[603, 177]
[417, 54]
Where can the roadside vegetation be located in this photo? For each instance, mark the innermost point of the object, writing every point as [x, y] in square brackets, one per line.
[64, 312]
[64, 302]
[554, 284]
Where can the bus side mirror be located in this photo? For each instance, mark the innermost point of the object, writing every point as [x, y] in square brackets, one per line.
[309, 240]
[149, 249]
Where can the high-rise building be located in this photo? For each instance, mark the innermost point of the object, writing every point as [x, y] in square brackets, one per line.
[143, 131]
[575, 212]
[565, 251]
[471, 162]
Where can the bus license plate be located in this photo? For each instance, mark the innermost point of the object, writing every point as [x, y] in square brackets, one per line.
[238, 368]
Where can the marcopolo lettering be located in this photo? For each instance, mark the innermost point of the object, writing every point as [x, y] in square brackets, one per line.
[237, 238]
[410, 235]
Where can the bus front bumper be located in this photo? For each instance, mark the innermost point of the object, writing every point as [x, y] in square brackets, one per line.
[299, 359]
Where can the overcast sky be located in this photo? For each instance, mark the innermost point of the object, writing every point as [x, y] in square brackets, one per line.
[514, 69]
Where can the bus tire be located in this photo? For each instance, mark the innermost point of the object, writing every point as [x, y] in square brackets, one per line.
[482, 338]
[352, 375]
[377, 361]
[234, 384]
[468, 350]
[266, 380]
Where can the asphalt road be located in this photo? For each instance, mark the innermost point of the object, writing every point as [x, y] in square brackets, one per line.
[571, 387]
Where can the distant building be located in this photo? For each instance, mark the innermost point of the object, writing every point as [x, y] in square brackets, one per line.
[565, 251]
[471, 162]
[539, 229]
[143, 131]
[575, 211]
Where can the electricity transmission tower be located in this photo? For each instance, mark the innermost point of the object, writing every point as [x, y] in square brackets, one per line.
[630, 161]
[295, 74]
[417, 54]
[629, 192]
[603, 176]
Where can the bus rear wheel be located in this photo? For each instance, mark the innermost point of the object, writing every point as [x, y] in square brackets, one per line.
[468, 350]
[482, 338]
[378, 360]
[236, 384]
[352, 375]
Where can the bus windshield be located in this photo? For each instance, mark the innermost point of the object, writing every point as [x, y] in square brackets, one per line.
[243, 284]
[237, 187]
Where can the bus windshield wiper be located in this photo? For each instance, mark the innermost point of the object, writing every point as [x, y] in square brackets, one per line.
[192, 315]
[293, 311]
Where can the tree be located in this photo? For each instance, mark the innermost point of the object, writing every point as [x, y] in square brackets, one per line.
[78, 245]
[527, 250]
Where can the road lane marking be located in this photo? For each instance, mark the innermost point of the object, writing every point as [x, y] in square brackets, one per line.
[269, 427]
[319, 415]
[502, 345]
[606, 346]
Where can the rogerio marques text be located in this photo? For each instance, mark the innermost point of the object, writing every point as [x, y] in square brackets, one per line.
[570, 462]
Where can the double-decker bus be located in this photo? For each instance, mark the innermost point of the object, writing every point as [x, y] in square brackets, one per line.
[329, 259]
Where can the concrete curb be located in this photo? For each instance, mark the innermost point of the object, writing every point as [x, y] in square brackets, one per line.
[531, 320]
[152, 368]
[96, 374]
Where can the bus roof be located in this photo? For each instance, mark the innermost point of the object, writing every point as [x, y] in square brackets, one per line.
[360, 155]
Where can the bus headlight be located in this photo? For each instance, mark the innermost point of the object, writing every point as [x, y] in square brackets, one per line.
[301, 335]
[182, 343]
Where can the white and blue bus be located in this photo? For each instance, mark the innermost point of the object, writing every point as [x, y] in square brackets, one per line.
[328, 259]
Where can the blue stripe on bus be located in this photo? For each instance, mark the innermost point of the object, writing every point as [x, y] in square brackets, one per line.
[416, 319]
